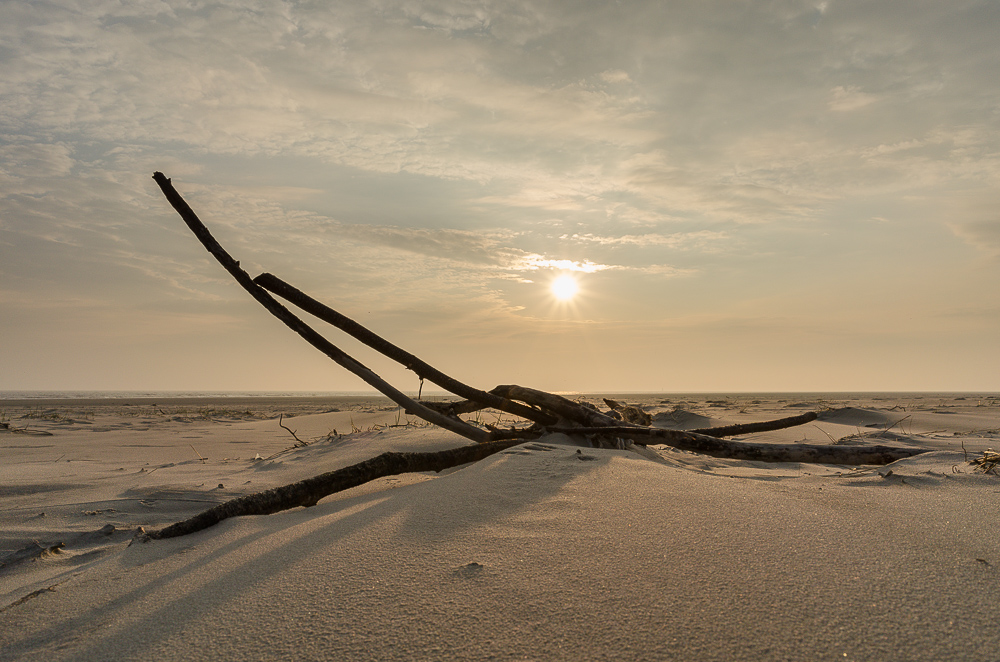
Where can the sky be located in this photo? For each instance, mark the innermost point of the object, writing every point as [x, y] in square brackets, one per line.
[748, 195]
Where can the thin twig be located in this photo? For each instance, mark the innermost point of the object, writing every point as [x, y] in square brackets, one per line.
[292, 432]
[830, 436]
[894, 425]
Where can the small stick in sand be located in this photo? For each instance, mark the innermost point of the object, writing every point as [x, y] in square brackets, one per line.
[290, 431]
[203, 459]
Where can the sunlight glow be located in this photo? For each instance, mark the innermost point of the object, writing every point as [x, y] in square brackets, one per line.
[564, 287]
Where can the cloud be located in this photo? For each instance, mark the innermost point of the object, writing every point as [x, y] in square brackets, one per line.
[442, 89]
[34, 160]
[849, 98]
[446, 244]
[432, 156]
[984, 235]
[615, 76]
[704, 240]
[903, 146]
[492, 254]
[666, 270]
[534, 262]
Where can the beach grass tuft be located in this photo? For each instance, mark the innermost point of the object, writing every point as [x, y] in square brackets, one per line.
[988, 462]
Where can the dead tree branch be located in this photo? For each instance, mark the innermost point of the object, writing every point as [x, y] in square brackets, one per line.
[764, 426]
[305, 331]
[409, 361]
[742, 450]
[558, 405]
[308, 492]
[549, 412]
[290, 431]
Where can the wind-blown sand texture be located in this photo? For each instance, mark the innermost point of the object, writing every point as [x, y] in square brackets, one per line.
[545, 551]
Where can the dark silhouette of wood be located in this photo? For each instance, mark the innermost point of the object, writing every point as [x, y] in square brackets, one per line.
[423, 370]
[308, 492]
[305, 331]
[548, 412]
[743, 450]
[290, 430]
[763, 426]
[562, 407]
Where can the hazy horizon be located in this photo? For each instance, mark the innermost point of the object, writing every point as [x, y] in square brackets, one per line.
[145, 394]
[789, 196]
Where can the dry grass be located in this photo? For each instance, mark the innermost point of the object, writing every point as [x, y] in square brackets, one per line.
[988, 462]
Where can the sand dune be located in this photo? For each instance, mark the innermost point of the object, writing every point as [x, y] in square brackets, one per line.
[859, 417]
[545, 551]
[681, 419]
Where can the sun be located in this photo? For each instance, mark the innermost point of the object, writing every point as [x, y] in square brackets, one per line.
[564, 287]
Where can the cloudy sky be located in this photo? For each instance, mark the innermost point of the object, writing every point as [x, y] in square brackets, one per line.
[776, 195]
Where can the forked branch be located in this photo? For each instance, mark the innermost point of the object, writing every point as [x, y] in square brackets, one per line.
[304, 330]
[381, 345]
[547, 411]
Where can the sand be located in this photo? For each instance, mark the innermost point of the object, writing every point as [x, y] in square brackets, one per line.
[540, 552]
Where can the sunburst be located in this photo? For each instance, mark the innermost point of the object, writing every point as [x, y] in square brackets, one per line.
[564, 287]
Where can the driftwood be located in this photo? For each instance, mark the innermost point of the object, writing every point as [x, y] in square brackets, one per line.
[629, 413]
[308, 492]
[763, 426]
[303, 329]
[742, 450]
[546, 412]
[384, 347]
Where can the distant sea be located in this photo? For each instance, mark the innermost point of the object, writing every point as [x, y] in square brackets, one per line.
[812, 395]
[126, 395]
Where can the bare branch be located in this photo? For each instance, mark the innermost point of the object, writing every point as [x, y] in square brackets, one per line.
[763, 426]
[558, 405]
[290, 431]
[742, 450]
[550, 413]
[305, 331]
[308, 492]
[424, 370]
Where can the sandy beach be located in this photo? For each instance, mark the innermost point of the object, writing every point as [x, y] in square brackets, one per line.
[545, 551]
